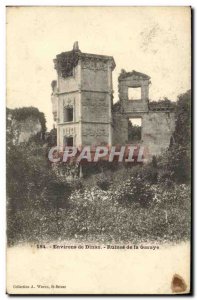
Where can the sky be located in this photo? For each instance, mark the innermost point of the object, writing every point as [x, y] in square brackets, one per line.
[152, 40]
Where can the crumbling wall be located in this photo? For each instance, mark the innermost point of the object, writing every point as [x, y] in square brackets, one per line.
[157, 129]
[25, 129]
[120, 129]
[158, 118]
[133, 80]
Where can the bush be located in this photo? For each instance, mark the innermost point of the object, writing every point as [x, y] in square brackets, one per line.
[134, 190]
[176, 161]
[103, 182]
[92, 214]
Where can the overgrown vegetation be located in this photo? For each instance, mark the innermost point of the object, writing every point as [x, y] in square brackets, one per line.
[22, 113]
[162, 103]
[134, 132]
[117, 203]
[176, 161]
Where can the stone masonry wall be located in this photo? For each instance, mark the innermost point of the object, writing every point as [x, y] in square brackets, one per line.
[157, 129]
[158, 122]
[120, 129]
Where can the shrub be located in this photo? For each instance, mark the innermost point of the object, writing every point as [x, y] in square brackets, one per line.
[96, 215]
[176, 161]
[103, 182]
[134, 190]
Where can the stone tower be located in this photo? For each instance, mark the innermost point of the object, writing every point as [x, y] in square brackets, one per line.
[82, 98]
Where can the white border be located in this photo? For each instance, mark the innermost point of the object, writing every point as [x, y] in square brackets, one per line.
[5, 3]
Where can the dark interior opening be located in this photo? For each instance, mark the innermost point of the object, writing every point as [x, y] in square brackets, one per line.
[68, 114]
[68, 141]
[135, 129]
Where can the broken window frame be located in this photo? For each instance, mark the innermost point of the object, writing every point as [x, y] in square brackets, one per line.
[131, 88]
[66, 114]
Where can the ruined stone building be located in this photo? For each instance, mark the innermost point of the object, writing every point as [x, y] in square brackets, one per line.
[82, 100]
[23, 124]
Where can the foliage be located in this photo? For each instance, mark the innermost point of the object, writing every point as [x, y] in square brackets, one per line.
[150, 202]
[162, 103]
[134, 190]
[32, 184]
[51, 137]
[182, 134]
[20, 114]
[148, 173]
[96, 215]
[117, 107]
[134, 132]
[103, 182]
[175, 164]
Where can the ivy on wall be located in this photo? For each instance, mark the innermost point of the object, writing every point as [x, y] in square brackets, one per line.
[65, 62]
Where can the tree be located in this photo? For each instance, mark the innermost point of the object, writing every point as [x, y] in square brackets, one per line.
[134, 132]
[182, 133]
[176, 163]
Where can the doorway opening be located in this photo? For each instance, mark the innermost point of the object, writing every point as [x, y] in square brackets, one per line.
[68, 141]
[134, 129]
